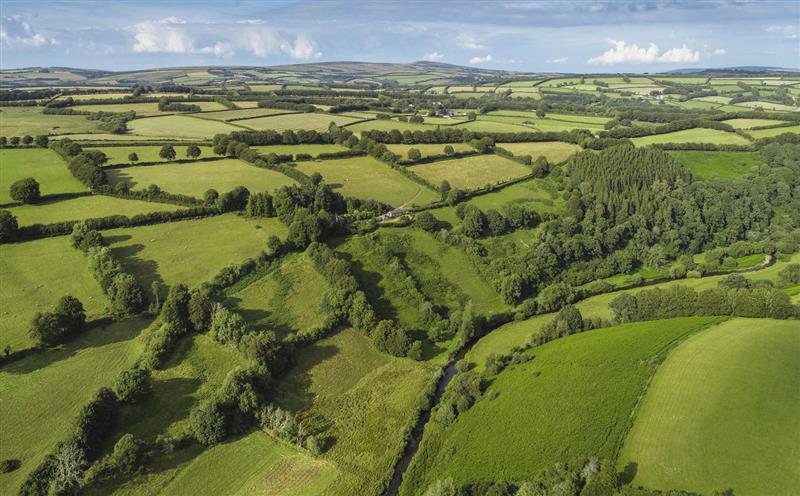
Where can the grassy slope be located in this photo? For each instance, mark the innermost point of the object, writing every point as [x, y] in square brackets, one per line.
[726, 399]
[553, 151]
[427, 149]
[766, 133]
[312, 149]
[365, 177]
[41, 164]
[194, 179]
[85, 207]
[179, 126]
[471, 172]
[698, 135]
[33, 276]
[43, 393]
[119, 154]
[19, 121]
[160, 252]
[572, 400]
[726, 165]
[306, 121]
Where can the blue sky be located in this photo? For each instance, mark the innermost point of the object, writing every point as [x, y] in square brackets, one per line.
[563, 36]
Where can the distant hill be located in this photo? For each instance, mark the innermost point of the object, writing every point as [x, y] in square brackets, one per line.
[745, 69]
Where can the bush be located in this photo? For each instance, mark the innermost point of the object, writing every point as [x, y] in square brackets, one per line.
[132, 385]
[228, 327]
[128, 455]
[9, 465]
[67, 318]
[208, 423]
[25, 191]
[426, 221]
[9, 228]
[127, 296]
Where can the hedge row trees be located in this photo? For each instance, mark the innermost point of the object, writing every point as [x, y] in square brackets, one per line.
[25, 191]
[67, 318]
[126, 295]
[9, 227]
[167, 152]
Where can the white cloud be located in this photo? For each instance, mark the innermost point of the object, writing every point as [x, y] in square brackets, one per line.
[785, 30]
[165, 36]
[15, 31]
[433, 56]
[559, 60]
[623, 53]
[303, 48]
[719, 51]
[469, 42]
[480, 60]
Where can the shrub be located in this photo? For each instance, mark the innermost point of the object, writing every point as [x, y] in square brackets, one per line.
[201, 307]
[426, 221]
[228, 327]
[67, 318]
[128, 455]
[9, 465]
[9, 228]
[208, 423]
[132, 385]
[25, 190]
[127, 296]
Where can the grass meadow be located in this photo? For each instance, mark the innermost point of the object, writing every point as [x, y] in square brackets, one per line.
[179, 126]
[738, 377]
[426, 149]
[19, 121]
[33, 276]
[366, 177]
[243, 113]
[84, 207]
[553, 151]
[194, 179]
[768, 133]
[311, 149]
[697, 135]
[751, 123]
[572, 400]
[190, 251]
[39, 163]
[726, 165]
[308, 121]
[471, 172]
[119, 154]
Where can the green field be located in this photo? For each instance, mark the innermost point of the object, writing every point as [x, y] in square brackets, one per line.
[286, 300]
[697, 135]
[553, 151]
[19, 121]
[360, 398]
[141, 109]
[50, 388]
[33, 276]
[471, 172]
[196, 178]
[312, 149]
[428, 149]
[85, 207]
[751, 123]
[726, 398]
[179, 126]
[160, 252]
[726, 165]
[244, 113]
[119, 154]
[366, 177]
[387, 125]
[766, 133]
[572, 400]
[488, 126]
[39, 163]
[317, 121]
[770, 106]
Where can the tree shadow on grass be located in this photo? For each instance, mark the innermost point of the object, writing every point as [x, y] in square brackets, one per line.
[116, 176]
[100, 333]
[145, 271]
[293, 391]
[369, 282]
[628, 473]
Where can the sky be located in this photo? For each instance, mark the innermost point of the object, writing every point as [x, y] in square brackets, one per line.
[529, 36]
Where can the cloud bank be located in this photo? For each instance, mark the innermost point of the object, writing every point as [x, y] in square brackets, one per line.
[622, 53]
[16, 32]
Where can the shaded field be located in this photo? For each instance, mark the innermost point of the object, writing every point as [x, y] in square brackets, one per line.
[41, 164]
[33, 276]
[119, 154]
[159, 252]
[572, 400]
[697, 135]
[179, 126]
[194, 179]
[553, 151]
[85, 207]
[307, 121]
[726, 165]
[471, 172]
[739, 377]
[43, 393]
[366, 177]
[19, 121]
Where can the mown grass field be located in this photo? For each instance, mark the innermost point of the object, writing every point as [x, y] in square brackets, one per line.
[39, 163]
[471, 172]
[85, 207]
[308, 121]
[427, 149]
[553, 151]
[697, 135]
[243, 113]
[366, 177]
[572, 400]
[285, 300]
[141, 109]
[119, 154]
[160, 252]
[726, 165]
[43, 393]
[387, 125]
[33, 276]
[194, 179]
[726, 398]
[361, 400]
[767, 133]
[19, 121]
[179, 126]
[751, 123]
[311, 149]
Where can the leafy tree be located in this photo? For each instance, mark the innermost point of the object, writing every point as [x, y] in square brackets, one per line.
[449, 150]
[193, 151]
[304, 229]
[414, 154]
[127, 296]
[167, 152]
[132, 385]
[474, 223]
[27, 139]
[625, 308]
[128, 455]
[210, 197]
[133, 157]
[201, 308]
[175, 310]
[45, 328]
[42, 140]
[426, 221]
[442, 488]
[209, 423]
[790, 274]
[8, 226]
[496, 224]
[25, 190]
[228, 327]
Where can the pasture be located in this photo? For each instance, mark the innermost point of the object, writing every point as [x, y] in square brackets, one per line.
[572, 400]
[767, 133]
[427, 150]
[238, 114]
[308, 121]
[751, 123]
[311, 149]
[119, 154]
[726, 165]
[471, 172]
[42, 164]
[366, 177]
[84, 207]
[160, 252]
[33, 276]
[19, 121]
[141, 109]
[49, 389]
[194, 179]
[553, 151]
[697, 135]
[179, 126]
[738, 377]
[387, 125]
